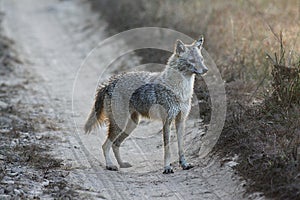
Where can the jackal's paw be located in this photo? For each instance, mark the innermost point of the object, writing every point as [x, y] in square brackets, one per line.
[125, 165]
[112, 167]
[168, 170]
[187, 166]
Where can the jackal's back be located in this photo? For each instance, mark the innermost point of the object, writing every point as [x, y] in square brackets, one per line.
[117, 89]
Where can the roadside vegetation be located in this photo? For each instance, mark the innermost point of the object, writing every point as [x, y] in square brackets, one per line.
[27, 170]
[255, 45]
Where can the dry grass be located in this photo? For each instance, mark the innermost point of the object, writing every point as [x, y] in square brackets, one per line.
[267, 139]
[267, 136]
[237, 33]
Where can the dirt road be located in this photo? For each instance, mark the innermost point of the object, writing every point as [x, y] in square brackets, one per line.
[53, 37]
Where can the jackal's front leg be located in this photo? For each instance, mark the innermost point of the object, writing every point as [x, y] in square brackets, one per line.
[180, 123]
[167, 154]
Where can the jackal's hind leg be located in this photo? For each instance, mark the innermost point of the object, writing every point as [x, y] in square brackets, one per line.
[131, 125]
[113, 133]
[116, 149]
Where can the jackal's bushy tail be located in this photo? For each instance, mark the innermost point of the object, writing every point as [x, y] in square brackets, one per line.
[97, 113]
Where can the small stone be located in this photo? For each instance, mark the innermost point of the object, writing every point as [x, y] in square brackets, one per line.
[2, 157]
[5, 196]
[17, 192]
[10, 188]
[8, 182]
[56, 188]
[12, 174]
[3, 105]
[14, 142]
[39, 137]
[45, 183]
[25, 135]
[231, 164]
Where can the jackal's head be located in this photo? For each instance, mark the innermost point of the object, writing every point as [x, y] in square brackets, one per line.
[188, 58]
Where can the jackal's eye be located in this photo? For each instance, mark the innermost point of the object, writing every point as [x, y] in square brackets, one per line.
[191, 61]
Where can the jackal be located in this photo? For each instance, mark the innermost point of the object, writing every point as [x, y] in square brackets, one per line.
[166, 95]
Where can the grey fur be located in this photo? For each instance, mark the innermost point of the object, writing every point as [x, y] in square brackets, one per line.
[166, 96]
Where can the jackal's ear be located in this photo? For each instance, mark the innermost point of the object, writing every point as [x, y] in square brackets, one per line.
[179, 47]
[199, 42]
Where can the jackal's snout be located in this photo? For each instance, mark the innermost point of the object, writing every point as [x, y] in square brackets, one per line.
[205, 70]
[201, 70]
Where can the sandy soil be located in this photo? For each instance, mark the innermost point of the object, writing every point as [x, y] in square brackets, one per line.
[53, 38]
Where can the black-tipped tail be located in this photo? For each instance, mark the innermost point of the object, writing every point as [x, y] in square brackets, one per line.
[97, 114]
[90, 122]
